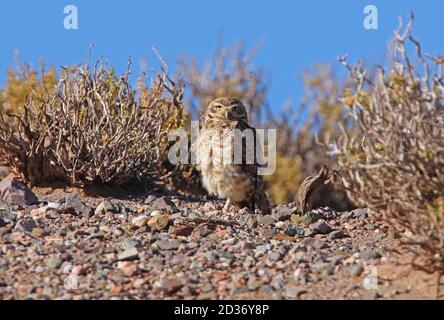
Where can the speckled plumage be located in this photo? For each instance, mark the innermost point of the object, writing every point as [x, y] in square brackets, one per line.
[236, 182]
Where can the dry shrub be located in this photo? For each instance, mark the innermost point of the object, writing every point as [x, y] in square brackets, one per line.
[395, 162]
[229, 73]
[90, 128]
[21, 83]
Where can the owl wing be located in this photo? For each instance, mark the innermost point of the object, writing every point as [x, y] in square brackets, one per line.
[258, 198]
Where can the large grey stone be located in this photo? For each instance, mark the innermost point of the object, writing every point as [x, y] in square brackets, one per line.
[106, 206]
[13, 192]
[4, 172]
[73, 205]
[320, 227]
[163, 203]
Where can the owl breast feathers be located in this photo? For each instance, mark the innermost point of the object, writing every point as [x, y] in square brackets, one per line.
[227, 156]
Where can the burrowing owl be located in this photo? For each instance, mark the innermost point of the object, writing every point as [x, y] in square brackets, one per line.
[228, 170]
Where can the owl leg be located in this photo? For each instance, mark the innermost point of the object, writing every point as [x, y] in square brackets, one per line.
[227, 206]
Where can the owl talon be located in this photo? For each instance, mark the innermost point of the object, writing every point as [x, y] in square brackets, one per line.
[227, 206]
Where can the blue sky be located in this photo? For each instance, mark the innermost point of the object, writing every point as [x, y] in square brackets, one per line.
[294, 34]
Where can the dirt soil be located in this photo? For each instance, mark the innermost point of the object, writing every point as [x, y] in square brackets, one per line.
[166, 246]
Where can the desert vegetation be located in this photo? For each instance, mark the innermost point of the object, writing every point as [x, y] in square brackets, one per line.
[394, 160]
[88, 126]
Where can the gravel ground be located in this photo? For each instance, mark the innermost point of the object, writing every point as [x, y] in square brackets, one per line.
[163, 246]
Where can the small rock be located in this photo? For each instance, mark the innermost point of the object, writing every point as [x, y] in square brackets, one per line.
[360, 214]
[209, 206]
[294, 292]
[323, 267]
[367, 254]
[207, 295]
[312, 217]
[297, 219]
[195, 215]
[140, 210]
[73, 205]
[2, 222]
[169, 285]
[408, 234]
[227, 255]
[159, 222]
[168, 244]
[176, 216]
[299, 256]
[28, 225]
[280, 224]
[207, 287]
[196, 265]
[251, 222]
[53, 205]
[370, 226]
[38, 232]
[313, 243]
[336, 234]
[149, 199]
[308, 232]
[182, 230]
[13, 192]
[66, 268]
[263, 248]
[156, 213]
[53, 262]
[128, 254]
[129, 243]
[268, 233]
[320, 227]
[355, 270]
[282, 237]
[4, 172]
[127, 268]
[335, 260]
[79, 270]
[8, 216]
[294, 231]
[126, 210]
[281, 213]
[376, 295]
[138, 283]
[106, 206]
[265, 219]
[140, 221]
[163, 203]
[52, 213]
[253, 284]
[47, 292]
[275, 256]
[350, 260]
[201, 231]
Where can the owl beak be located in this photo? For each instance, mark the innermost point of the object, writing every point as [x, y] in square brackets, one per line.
[227, 114]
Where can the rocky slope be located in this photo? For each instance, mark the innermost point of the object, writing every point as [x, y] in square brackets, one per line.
[160, 245]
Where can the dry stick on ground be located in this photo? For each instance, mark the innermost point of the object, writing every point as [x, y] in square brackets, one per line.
[311, 185]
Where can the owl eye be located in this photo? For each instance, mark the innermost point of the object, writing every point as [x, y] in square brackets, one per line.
[218, 107]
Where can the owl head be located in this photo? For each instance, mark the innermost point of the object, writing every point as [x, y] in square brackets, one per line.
[226, 109]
